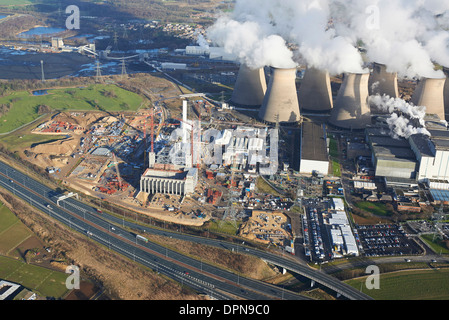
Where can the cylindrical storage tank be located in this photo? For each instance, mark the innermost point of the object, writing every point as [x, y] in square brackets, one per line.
[250, 87]
[281, 100]
[351, 109]
[430, 94]
[315, 93]
[382, 82]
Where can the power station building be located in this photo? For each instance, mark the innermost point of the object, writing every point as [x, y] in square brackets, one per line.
[176, 182]
[313, 151]
[392, 158]
[432, 154]
[419, 158]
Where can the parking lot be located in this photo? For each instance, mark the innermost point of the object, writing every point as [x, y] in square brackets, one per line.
[386, 240]
[317, 243]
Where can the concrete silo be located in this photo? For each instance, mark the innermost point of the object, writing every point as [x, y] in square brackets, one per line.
[382, 82]
[351, 109]
[250, 87]
[430, 94]
[281, 100]
[315, 93]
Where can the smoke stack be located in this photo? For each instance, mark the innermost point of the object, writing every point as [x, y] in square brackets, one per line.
[430, 94]
[351, 110]
[382, 82]
[281, 100]
[315, 93]
[250, 87]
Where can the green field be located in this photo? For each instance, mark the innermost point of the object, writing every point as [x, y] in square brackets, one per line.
[17, 142]
[12, 231]
[45, 282]
[435, 243]
[409, 285]
[379, 209]
[15, 2]
[24, 106]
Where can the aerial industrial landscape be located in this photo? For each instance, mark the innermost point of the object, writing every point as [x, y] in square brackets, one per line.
[239, 150]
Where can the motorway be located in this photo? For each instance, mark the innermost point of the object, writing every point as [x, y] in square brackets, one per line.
[112, 232]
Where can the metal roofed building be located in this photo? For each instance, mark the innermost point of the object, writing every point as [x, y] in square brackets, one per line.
[8, 289]
[432, 154]
[392, 158]
[313, 152]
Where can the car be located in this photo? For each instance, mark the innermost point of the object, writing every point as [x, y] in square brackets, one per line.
[48, 206]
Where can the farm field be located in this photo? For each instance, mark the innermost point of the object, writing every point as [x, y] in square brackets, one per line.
[43, 281]
[409, 285]
[15, 240]
[22, 107]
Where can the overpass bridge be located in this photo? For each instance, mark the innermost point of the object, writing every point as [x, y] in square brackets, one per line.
[319, 277]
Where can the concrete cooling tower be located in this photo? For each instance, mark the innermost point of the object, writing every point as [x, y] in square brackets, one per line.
[315, 93]
[446, 94]
[382, 82]
[351, 109]
[250, 87]
[281, 100]
[430, 94]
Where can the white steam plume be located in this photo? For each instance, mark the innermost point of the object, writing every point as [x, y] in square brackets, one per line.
[252, 43]
[406, 35]
[258, 29]
[401, 114]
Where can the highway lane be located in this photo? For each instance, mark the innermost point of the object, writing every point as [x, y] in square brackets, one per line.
[199, 275]
[279, 260]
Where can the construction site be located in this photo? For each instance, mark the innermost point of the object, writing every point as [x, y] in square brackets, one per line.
[181, 165]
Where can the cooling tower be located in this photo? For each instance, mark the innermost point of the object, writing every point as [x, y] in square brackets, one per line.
[250, 87]
[351, 109]
[446, 94]
[382, 82]
[315, 93]
[430, 94]
[281, 100]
